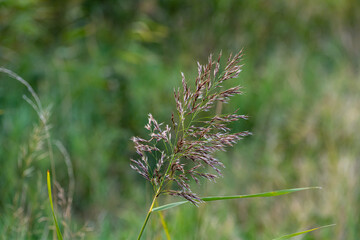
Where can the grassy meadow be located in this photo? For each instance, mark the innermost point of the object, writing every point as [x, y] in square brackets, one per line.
[99, 68]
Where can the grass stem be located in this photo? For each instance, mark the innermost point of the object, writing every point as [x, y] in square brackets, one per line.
[163, 222]
[149, 213]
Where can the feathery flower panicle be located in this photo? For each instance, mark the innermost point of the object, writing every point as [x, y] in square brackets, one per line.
[191, 143]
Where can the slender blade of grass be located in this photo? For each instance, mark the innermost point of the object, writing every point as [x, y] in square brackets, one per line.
[167, 206]
[303, 232]
[58, 232]
[217, 198]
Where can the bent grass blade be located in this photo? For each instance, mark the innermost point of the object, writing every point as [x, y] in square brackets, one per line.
[303, 232]
[58, 232]
[218, 198]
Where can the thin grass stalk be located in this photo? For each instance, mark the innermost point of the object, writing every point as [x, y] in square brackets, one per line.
[148, 214]
[153, 202]
[163, 223]
[41, 113]
[58, 232]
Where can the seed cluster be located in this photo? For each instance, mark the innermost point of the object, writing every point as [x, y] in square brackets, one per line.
[186, 146]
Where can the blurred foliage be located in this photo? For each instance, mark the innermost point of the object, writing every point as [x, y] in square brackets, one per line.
[103, 65]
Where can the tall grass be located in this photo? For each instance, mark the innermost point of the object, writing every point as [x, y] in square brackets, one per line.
[175, 154]
[187, 147]
[100, 66]
[28, 200]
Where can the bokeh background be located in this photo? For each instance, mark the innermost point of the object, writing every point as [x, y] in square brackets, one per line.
[102, 66]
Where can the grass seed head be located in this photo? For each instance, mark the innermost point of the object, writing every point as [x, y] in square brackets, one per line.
[190, 144]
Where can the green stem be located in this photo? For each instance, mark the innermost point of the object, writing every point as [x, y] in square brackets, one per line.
[148, 214]
[154, 200]
[158, 191]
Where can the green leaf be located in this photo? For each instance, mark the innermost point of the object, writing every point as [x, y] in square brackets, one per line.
[217, 198]
[303, 232]
[167, 206]
[58, 232]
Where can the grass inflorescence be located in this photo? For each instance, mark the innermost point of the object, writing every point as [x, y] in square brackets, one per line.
[187, 145]
[182, 151]
[174, 155]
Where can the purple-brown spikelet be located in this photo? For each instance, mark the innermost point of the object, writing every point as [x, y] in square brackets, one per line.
[189, 145]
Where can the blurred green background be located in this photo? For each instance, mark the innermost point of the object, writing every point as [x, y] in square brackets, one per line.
[104, 65]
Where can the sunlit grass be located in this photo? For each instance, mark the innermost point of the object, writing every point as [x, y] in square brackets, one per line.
[58, 231]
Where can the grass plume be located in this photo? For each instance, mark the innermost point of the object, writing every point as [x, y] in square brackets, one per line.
[186, 146]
